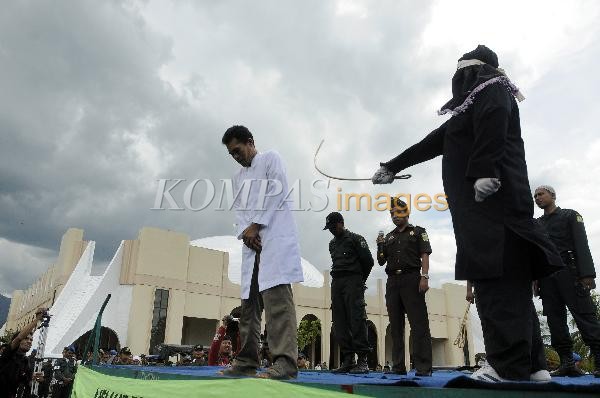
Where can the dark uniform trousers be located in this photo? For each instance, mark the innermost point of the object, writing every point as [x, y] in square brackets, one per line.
[559, 292]
[402, 296]
[66, 368]
[280, 317]
[63, 390]
[349, 314]
[511, 329]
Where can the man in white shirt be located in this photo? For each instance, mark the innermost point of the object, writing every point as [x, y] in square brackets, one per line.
[270, 257]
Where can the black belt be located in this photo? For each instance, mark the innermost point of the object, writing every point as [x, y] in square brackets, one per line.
[391, 272]
[343, 273]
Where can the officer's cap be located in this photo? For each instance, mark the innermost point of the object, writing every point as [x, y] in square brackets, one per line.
[332, 219]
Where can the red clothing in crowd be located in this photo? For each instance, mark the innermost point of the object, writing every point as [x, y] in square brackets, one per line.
[214, 357]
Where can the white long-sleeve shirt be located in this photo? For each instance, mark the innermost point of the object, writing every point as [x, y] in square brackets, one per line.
[267, 205]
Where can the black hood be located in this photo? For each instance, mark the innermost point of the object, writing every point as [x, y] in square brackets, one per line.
[466, 79]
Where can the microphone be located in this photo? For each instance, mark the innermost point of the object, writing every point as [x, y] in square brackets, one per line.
[380, 244]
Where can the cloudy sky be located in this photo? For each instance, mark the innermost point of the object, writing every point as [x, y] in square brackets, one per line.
[99, 100]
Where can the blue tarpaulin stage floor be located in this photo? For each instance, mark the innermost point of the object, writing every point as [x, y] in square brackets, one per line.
[443, 383]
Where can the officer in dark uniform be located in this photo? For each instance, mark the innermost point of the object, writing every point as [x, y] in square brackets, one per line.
[406, 251]
[198, 356]
[64, 373]
[44, 386]
[351, 265]
[570, 287]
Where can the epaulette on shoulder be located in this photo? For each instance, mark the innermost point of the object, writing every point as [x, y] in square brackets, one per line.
[575, 214]
[356, 236]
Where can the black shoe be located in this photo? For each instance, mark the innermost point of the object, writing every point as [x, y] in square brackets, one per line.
[567, 369]
[344, 368]
[423, 374]
[397, 371]
[567, 366]
[348, 363]
[362, 367]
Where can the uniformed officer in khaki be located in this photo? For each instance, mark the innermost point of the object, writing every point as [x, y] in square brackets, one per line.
[351, 265]
[406, 251]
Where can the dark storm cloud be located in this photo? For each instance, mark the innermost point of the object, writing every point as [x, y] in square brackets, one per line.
[80, 84]
[91, 115]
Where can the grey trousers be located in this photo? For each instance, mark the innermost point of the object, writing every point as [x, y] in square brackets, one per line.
[280, 317]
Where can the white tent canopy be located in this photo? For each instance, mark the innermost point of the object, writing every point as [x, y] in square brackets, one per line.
[76, 308]
[230, 244]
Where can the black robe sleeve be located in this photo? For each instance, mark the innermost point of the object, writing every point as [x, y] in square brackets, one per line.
[430, 147]
[491, 116]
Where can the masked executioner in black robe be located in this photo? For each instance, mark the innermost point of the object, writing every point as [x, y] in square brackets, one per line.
[499, 246]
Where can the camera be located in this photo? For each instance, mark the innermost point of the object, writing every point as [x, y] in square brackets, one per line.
[46, 317]
[230, 320]
[232, 325]
[45, 321]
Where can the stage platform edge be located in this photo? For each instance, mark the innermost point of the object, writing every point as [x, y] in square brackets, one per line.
[125, 381]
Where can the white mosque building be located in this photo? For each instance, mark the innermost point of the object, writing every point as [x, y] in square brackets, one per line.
[167, 289]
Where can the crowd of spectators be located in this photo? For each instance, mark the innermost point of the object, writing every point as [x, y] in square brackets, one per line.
[16, 368]
[54, 377]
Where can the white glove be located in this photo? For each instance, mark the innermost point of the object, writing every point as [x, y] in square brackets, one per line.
[383, 176]
[485, 187]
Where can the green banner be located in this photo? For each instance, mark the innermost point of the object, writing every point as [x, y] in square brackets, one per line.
[91, 384]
